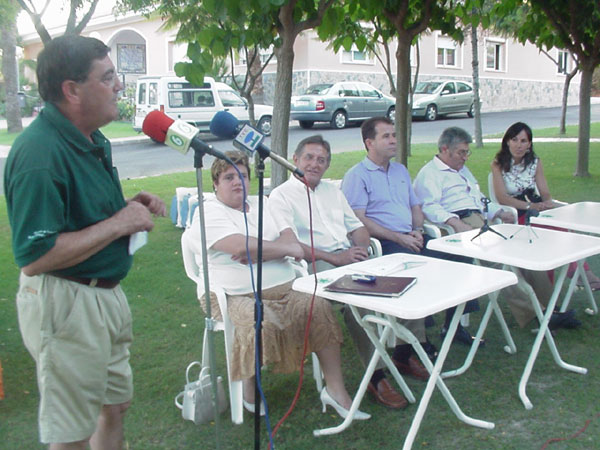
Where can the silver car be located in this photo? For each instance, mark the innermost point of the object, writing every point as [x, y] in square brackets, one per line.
[440, 97]
[340, 103]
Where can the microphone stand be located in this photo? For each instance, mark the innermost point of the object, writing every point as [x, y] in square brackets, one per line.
[486, 226]
[530, 231]
[260, 172]
[209, 321]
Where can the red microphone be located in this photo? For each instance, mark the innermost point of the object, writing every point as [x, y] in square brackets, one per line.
[177, 134]
[156, 125]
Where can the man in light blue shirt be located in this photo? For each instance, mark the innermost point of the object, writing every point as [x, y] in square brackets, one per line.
[380, 192]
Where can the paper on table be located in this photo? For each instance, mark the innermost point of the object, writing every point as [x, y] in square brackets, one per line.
[393, 268]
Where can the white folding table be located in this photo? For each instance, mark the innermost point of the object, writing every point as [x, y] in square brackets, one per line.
[440, 285]
[583, 217]
[546, 250]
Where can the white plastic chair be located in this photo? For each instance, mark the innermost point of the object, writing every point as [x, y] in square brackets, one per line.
[193, 269]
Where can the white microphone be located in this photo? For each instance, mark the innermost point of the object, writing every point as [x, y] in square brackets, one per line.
[177, 134]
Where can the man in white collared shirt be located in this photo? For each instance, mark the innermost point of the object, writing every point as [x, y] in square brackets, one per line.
[451, 195]
[449, 191]
[340, 238]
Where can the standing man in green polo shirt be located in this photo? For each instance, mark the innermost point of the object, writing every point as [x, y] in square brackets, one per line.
[71, 231]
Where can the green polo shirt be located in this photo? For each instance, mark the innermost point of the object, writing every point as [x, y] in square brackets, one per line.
[57, 181]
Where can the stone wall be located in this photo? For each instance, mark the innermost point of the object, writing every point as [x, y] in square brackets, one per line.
[496, 94]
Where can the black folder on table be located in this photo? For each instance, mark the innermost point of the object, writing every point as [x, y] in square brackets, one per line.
[383, 286]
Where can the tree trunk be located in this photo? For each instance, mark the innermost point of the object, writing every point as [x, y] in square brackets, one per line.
[583, 144]
[412, 87]
[281, 106]
[565, 100]
[402, 90]
[10, 74]
[251, 82]
[258, 92]
[476, 99]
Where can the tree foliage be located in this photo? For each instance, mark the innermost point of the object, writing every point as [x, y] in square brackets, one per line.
[214, 32]
[569, 24]
[73, 25]
[403, 20]
[215, 28]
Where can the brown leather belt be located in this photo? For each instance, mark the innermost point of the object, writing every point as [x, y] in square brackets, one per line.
[103, 283]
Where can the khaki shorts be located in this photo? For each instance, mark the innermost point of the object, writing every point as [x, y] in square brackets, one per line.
[79, 337]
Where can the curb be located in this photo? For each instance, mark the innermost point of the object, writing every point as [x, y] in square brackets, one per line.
[129, 140]
[4, 149]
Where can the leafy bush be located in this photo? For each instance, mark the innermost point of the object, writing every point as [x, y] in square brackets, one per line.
[126, 109]
[126, 104]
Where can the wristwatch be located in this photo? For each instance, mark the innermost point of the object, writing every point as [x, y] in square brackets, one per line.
[528, 205]
[419, 229]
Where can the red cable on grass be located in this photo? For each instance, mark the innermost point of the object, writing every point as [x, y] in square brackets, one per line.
[587, 422]
[310, 312]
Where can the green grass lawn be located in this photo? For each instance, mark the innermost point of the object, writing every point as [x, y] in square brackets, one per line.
[112, 130]
[168, 327]
[571, 132]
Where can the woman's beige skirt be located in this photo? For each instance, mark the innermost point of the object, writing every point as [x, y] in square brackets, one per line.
[285, 313]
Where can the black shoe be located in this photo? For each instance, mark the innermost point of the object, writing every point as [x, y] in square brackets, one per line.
[462, 336]
[563, 320]
[429, 321]
[430, 349]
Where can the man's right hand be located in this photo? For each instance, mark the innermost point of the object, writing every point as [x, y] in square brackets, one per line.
[133, 218]
[288, 240]
[351, 255]
[458, 225]
[409, 241]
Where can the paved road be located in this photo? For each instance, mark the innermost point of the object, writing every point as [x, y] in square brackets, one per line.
[146, 159]
[138, 159]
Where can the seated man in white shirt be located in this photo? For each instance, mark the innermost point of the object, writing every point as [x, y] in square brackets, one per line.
[340, 238]
[451, 195]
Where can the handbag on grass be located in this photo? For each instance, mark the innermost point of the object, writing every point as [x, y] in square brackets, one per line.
[195, 401]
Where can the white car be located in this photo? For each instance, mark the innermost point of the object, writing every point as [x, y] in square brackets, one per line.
[180, 99]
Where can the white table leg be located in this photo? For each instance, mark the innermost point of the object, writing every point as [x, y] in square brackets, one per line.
[435, 379]
[379, 351]
[357, 397]
[509, 348]
[388, 323]
[580, 274]
[544, 332]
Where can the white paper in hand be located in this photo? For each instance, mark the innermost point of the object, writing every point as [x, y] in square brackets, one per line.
[137, 241]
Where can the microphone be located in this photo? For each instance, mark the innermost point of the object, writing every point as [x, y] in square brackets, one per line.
[246, 138]
[177, 134]
[529, 214]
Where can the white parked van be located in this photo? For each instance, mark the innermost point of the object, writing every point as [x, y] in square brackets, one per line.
[180, 99]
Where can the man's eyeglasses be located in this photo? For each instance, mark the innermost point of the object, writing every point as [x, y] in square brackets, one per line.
[463, 153]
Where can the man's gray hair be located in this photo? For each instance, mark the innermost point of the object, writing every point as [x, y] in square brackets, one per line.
[315, 139]
[453, 136]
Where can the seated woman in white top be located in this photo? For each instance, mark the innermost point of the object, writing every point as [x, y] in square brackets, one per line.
[285, 311]
[518, 173]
